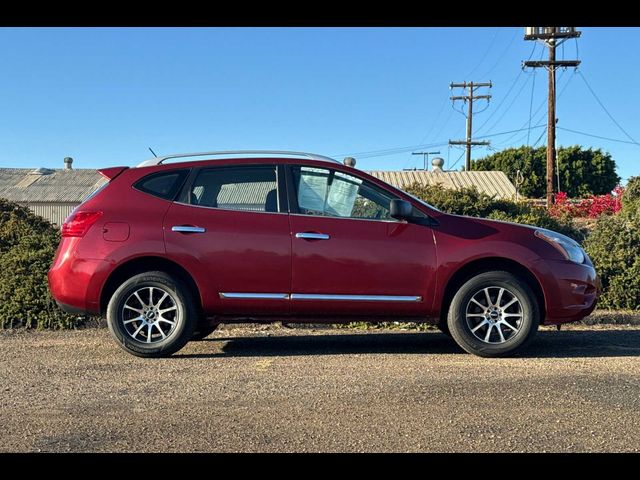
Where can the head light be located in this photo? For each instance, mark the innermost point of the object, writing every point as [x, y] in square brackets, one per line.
[569, 248]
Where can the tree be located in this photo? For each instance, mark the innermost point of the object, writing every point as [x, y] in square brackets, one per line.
[582, 171]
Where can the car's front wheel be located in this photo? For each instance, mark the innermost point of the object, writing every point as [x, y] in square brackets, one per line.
[493, 314]
[151, 315]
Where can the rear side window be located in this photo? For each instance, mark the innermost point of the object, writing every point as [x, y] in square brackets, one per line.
[164, 185]
[251, 188]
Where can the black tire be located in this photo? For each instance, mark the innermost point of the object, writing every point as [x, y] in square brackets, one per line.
[464, 312]
[177, 329]
[203, 330]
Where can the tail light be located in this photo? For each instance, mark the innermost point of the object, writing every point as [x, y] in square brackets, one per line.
[79, 223]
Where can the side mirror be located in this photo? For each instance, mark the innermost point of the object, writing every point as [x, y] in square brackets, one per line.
[400, 209]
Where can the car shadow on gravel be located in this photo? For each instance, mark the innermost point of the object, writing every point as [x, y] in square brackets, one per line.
[547, 344]
[330, 344]
[585, 343]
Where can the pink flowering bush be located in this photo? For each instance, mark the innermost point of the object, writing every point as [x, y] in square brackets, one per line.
[590, 207]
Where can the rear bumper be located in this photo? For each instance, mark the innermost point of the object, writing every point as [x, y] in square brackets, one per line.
[75, 284]
[71, 309]
[571, 291]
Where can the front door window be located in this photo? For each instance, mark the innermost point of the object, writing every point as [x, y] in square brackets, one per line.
[331, 193]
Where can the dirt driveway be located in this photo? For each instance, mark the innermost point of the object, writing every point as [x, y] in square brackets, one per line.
[279, 389]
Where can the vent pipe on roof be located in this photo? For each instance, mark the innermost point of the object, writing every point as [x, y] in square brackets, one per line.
[67, 163]
[436, 164]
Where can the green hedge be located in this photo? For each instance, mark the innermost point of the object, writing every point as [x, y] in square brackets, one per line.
[27, 246]
[614, 248]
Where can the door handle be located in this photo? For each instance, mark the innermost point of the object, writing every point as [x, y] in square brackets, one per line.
[188, 229]
[313, 236]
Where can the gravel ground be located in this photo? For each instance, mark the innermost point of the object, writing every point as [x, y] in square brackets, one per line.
[271, 388]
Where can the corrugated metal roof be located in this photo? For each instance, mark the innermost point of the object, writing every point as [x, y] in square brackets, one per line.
[24, 185]
[493, 183]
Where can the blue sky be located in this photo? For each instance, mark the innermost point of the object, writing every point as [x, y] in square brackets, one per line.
[103, 95]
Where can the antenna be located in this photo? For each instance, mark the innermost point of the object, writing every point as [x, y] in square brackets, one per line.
[154, 153]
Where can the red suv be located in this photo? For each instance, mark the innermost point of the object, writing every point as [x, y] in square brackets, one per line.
[170, 250]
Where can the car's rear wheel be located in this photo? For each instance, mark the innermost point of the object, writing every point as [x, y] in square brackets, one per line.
[203, 330]
[493, 314]
[151, 315]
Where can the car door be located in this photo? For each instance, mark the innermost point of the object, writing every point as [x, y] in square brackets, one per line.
[349, 257]
[228, 229]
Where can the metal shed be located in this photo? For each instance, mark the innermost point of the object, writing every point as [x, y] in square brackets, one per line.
[50, 193]
[493, 183]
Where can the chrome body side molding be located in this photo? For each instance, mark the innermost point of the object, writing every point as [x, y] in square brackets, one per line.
[317, 296]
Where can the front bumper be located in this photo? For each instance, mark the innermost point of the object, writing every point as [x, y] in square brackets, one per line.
[571, 290]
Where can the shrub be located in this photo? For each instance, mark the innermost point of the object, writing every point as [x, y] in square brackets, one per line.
[631, 193]
[591, 207]
[27, 246]
[614, 247]
[471, 202]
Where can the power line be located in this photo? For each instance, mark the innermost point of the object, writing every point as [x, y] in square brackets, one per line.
[605, 109]
[542, 104]
[456, 162]
[533, 87]
[504, 52]
[508, 132]
[532, 51]
[495, 110]
[444, 124]
[396, 150]
[390, 151]
[510, 105]
[598, 136]
[495, 35]
[538, 118]
[435, 120]
[540, 137]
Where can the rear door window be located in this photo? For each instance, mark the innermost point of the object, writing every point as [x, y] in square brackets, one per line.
[251, 188]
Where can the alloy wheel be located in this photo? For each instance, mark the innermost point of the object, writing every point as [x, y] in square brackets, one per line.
[494, 315]
[149, 315]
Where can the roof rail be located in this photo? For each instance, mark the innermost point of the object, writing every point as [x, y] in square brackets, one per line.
[160, 160]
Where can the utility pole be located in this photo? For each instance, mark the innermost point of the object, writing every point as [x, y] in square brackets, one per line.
[470, 98]
[551, 37]
[425, 156]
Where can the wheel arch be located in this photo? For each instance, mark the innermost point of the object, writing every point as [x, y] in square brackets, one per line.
[488, 264]
[143, 264]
